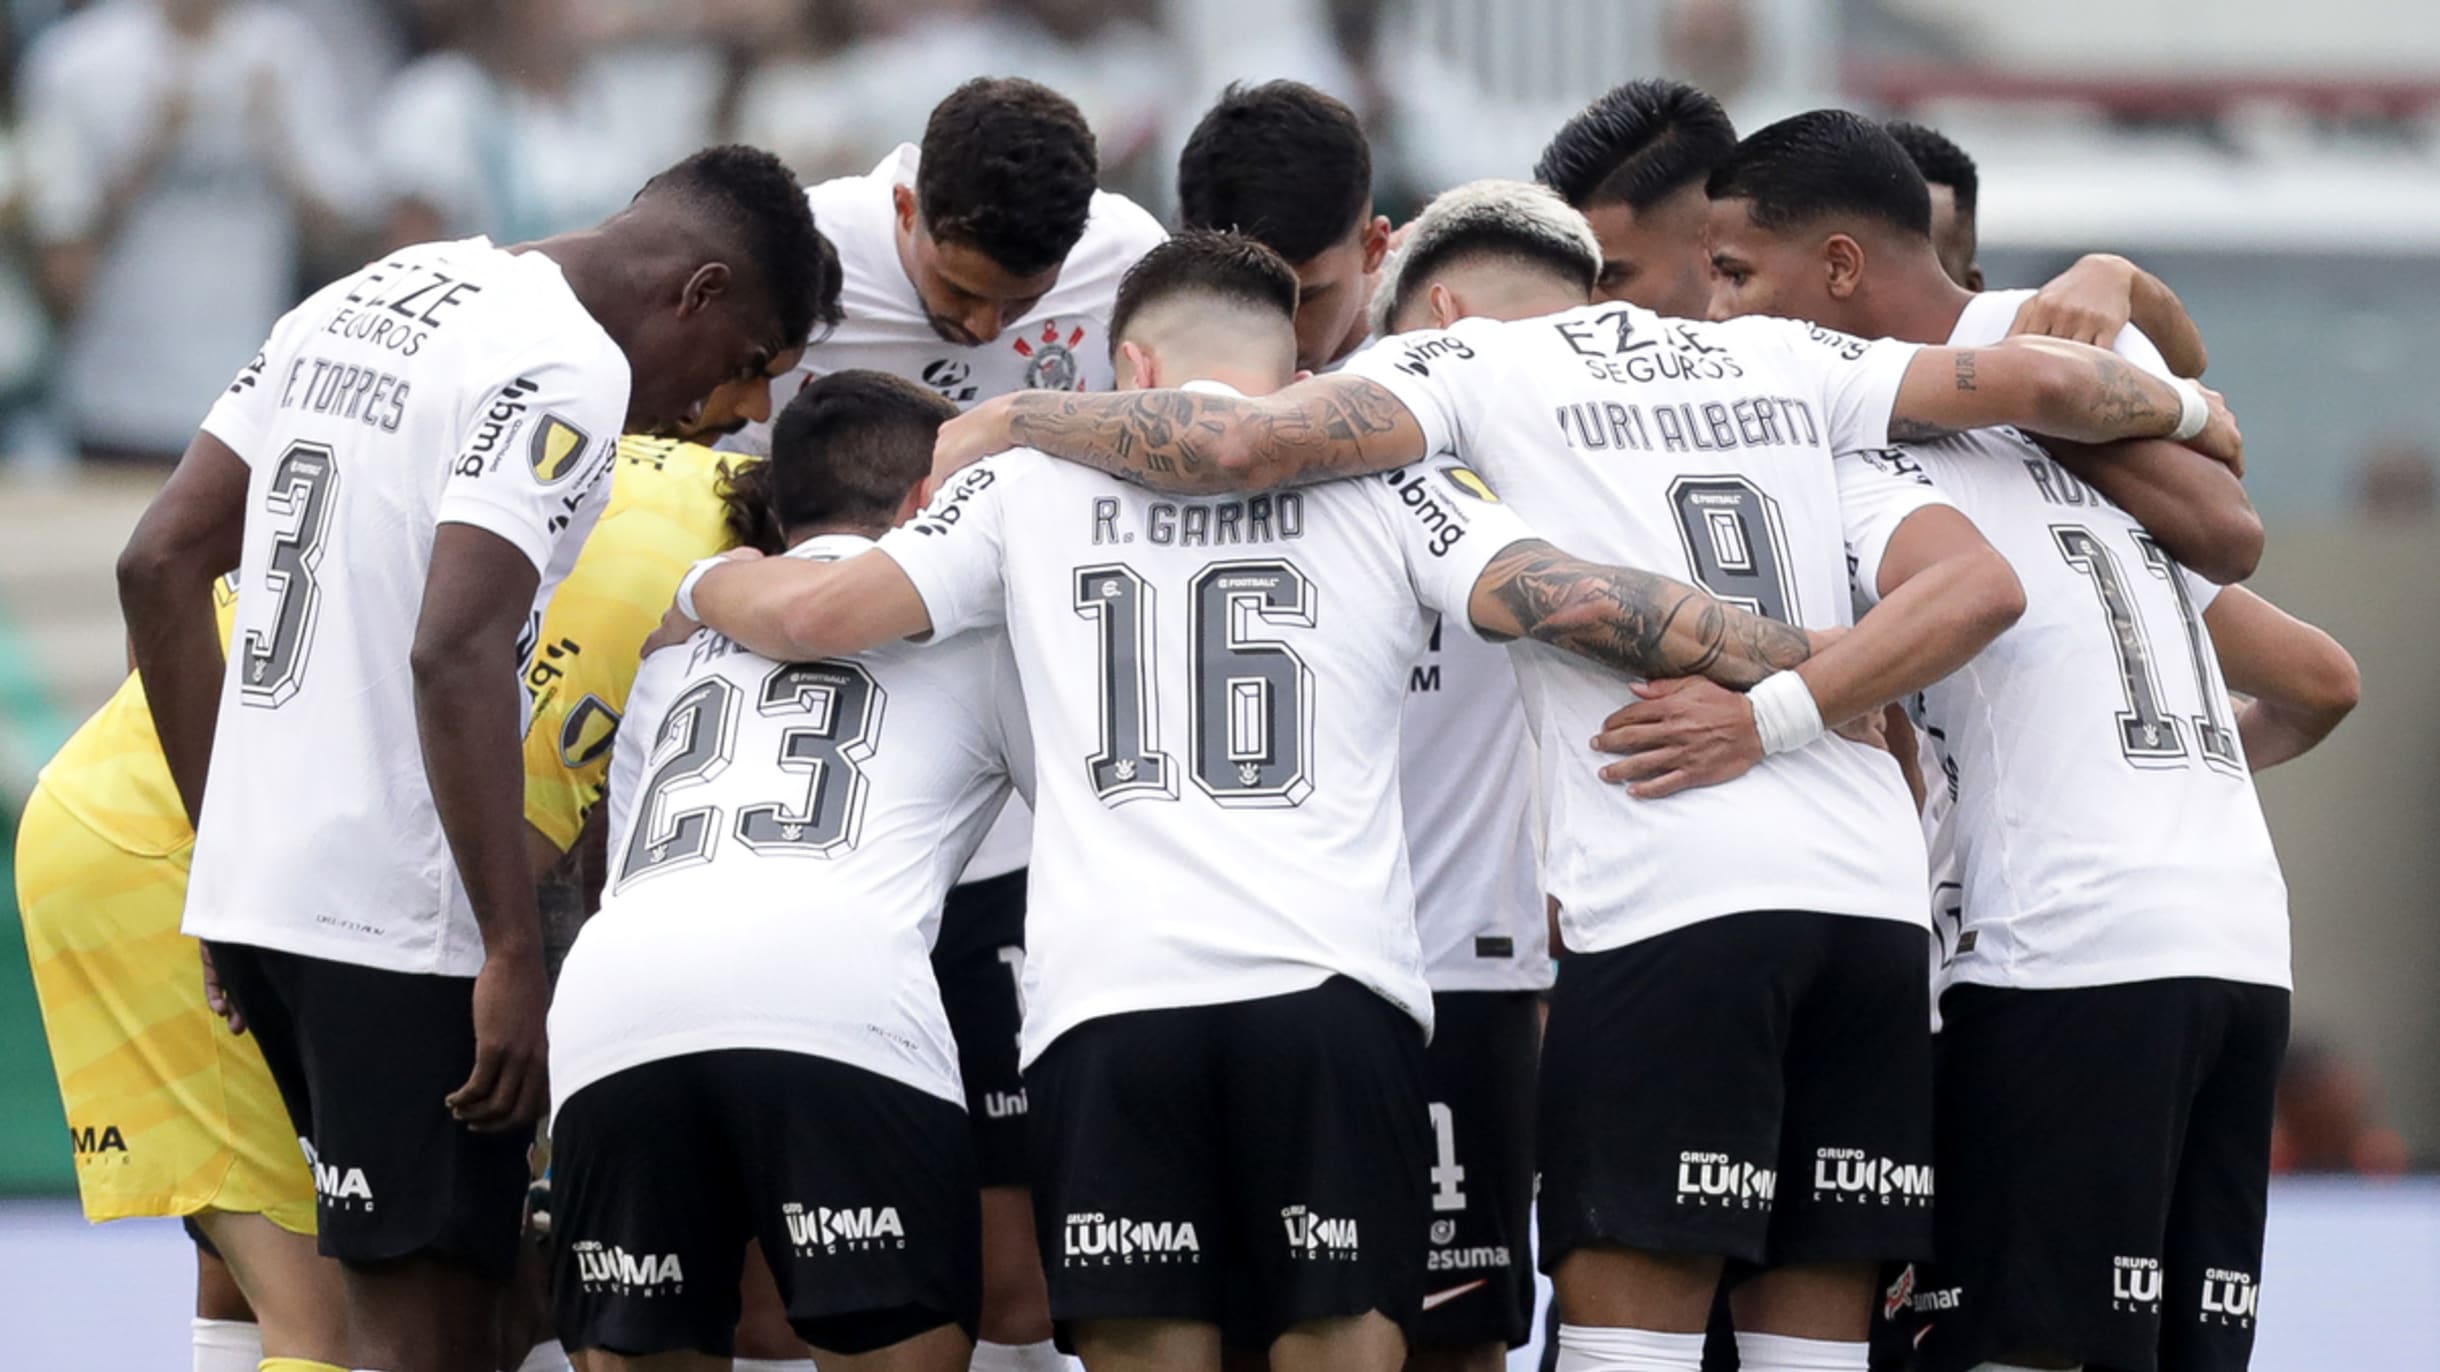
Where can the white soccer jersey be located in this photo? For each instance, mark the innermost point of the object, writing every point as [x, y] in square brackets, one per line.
[1466, 775]
[1062, 344]
[2102, 819]
[1701, 451]
[1215, 685]
[779, 852]
[451, 383]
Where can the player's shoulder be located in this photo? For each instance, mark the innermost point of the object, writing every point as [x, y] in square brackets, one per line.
[1987, 318]
[672, 478]
[1118, 231]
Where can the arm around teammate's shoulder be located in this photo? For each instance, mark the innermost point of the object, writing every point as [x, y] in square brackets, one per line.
[2302, 683]
[1632, 622]
[2050, 386]
[795, 610]
[1198, 442]
[2194, 507]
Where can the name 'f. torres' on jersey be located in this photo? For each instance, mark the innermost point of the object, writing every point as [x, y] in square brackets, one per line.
[449, 383]
[1701, 451]
[1215, 687]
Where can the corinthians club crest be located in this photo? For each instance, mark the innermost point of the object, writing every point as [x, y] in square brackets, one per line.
[1050, 358]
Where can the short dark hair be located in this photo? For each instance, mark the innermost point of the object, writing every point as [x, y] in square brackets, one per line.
[753, 200]
[1227, 267]
[1825, 162]
[1281, 163]
[1941, 161]
[846, 450]
[1637, 145]
[1008, 168]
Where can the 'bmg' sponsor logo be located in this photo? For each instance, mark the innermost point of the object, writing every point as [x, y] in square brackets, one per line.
[1715, 1180]
[850, 1229]
[1094, 1239]
[1845, 1175]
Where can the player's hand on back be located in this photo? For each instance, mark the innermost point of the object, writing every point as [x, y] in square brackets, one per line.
[2089, 302]
[971, 437]
[2220, 439]
[510, 1085]
[676, 625]
[1680, 733]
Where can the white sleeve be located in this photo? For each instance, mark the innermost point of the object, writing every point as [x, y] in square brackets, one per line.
[2136, 347]
[952, 551]
[244, 409]
[1450, 525]
[1878, 490]
[1436, 374]
[1857, 380]
[2200, 591]
[539, 443]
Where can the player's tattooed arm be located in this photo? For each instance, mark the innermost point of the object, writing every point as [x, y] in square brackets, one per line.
[2049, 386]
[1195, 442]
[1636, 623]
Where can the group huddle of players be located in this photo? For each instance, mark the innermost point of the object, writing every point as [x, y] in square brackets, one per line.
[1081, 874]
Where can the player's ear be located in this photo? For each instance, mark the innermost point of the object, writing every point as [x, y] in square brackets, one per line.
[1842, 266]
[1138, 369]
[1444, 305]
[1974, 277]
[902, 199]
[708, 284]
[1376, 243]
[918, 496]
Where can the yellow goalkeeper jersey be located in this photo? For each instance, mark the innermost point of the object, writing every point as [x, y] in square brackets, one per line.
[664, 514]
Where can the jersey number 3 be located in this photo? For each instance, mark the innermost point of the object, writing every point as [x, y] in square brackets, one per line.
[299, 498]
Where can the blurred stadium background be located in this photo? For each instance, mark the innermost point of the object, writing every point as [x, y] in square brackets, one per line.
[2279, 164]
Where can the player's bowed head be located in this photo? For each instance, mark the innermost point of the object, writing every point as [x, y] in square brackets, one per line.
[711, 272]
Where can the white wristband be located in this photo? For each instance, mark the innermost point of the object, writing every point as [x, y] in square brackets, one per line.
[686, 586]
[2193, 412]
[1785, 713]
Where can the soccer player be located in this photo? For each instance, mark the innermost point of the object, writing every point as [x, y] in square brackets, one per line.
[1213, 682]
[1729, 429]
[158, 1095]
[403, 475]
[758, 982]
[1290, 168]
[2122, 953]
[983, 262]
[1633, 162]
[2090, 302]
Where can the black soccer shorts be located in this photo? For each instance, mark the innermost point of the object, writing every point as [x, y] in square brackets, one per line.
[364, 1058]
[1756, 1086]
[977, 959]
[1478, 1264]
[2104, 1159]
[1252, 1164]
[860, 1189]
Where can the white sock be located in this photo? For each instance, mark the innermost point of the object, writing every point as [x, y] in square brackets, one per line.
[1783, 1353]
[546, 1357]
[227, 1346]
[1018, 1357]
[771, 1365]
[1594, 1348]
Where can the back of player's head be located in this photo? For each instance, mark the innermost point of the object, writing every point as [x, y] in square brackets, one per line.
[1208, 271]
[1518, 224]
[1941, 161]
[846, 453]
[1008, 168]
[1821, 164]
[1281, 163]
[749, 203]
[1637, 145]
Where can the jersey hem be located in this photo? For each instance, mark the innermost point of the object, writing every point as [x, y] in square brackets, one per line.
[661, 1048]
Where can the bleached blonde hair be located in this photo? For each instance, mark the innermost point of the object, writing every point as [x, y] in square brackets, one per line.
[1491, 215]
